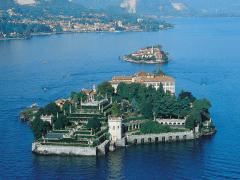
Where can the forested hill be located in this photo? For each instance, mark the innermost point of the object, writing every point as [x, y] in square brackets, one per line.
[21, 20]
[175, 8]
[42, 7]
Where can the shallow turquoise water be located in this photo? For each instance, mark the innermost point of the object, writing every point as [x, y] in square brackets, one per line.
[205, 60]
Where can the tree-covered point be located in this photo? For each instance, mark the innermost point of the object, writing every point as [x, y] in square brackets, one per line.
[199, 113]
[60, 120]
[39, 128]
[151, 102]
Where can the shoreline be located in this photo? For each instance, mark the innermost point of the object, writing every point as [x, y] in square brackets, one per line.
[143, 61]
[110, 146]
[68, 32]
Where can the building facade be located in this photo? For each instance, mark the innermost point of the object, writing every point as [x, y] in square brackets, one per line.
[47, 118]
[148, 79]
[172, 122]
[115, 128]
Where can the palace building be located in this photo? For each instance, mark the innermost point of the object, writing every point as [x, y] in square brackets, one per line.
[148, 79]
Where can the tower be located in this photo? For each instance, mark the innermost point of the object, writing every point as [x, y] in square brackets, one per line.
[115, 128]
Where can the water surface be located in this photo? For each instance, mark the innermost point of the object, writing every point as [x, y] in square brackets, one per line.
[205, 59]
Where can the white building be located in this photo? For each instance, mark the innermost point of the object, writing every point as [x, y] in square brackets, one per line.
[115, 128]
[148, 79]
[172, 122]
[47, 118]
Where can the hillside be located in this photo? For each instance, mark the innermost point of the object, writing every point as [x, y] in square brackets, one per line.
[168, 7]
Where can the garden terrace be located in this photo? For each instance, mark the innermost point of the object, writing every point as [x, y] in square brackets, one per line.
[134, 118]
[87, 111]
[79, 137]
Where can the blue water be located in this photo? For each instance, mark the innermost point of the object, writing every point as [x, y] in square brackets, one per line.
[205, 59]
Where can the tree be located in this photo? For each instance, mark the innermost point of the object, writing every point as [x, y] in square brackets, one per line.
[93, 123]
[147, 109]
[122, 90]
[105, 88]
[60, 122]
[51, 108]
[186, 95]
[199, 113]
[159, 102]
[183, 107]
[77, 97]
[202, 104]
[151, 127]
[115, 109]
[39, 128]
[190, 121]
[134, 105]
[66, 107]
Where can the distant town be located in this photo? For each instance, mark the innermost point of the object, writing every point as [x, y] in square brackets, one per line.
[148, 55]
[137, 109]
[66, 17]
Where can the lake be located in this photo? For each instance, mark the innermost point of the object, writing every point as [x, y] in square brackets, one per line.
[205, 59]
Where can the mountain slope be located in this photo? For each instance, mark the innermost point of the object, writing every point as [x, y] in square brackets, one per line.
[169, 7]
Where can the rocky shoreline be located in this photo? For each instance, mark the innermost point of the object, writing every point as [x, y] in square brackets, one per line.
[142, 61]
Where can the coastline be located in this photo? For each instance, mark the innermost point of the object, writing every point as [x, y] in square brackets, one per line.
[66, 32]
[108, 145]
[142, 61]
[73, 32]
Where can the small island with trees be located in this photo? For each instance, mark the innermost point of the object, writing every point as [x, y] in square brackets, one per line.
[94, 121]
[148, 55]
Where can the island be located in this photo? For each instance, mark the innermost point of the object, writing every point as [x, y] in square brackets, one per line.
[148, 55]
[139, 109]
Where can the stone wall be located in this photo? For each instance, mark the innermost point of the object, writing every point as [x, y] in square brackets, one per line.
[63, 150]
[103, 148]
[163, 137]
[121, 142]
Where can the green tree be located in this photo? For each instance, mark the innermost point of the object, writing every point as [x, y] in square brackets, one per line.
[122, 90]
[199, 113]
[105, 88]
[191, 120]
[186, 95]
[51, 108]
[60, 122]
[93, 123]
[115, 109]
[77, 97]
[152, 127]
[183, 107]
[66, 107]
[39, 128]
[147, 109]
